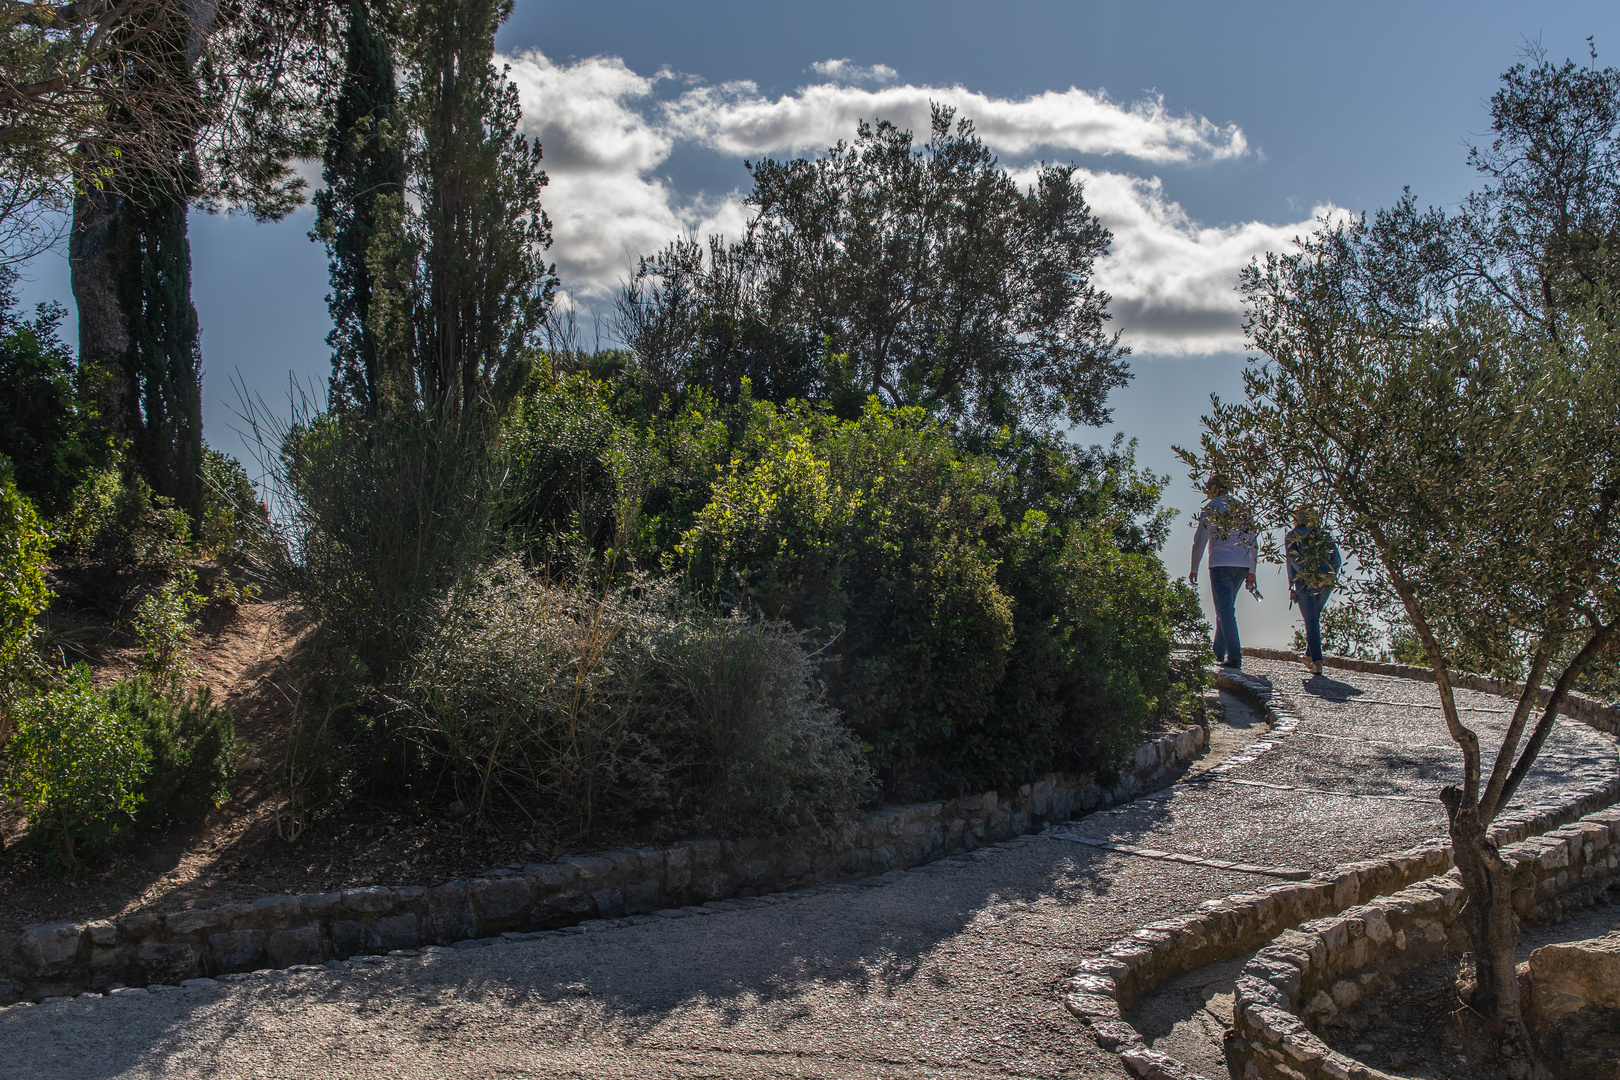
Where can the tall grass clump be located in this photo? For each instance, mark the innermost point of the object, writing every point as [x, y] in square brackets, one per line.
[595, 711]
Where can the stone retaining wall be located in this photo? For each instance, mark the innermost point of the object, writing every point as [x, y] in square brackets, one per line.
[283, 931]
[1577, 706]
[1331, 964]
[1108, 985]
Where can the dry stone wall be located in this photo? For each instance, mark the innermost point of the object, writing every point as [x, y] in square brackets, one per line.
[148, 948]
[1310, 975]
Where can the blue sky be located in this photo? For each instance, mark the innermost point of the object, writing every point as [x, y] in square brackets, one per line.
[1208, 133]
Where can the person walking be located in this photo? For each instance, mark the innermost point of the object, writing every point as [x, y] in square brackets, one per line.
[1313, 568]
[1233, 544]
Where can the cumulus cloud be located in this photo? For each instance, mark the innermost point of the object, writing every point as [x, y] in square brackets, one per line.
[608, 131]
[735, 118]
[1174, 281]
[847, 71]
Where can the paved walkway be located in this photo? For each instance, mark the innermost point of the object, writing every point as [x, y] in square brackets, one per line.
[953, 970]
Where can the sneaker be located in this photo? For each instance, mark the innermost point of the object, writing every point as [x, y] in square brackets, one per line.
[1233, 665]
[1316, 667]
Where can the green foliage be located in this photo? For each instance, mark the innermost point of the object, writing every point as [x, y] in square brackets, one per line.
[232, 516]
[24, 553]
[594, 712]
[117, 521]
[190, 744]
[48, 424]
[383, 515]
[75, 767]
[364, 161]
[158, 398]
[164, 624]
[920, 274]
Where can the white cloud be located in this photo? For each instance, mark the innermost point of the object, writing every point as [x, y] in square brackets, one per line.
[847, 71]
[607, 135]
[734, 118]
[1174, 281]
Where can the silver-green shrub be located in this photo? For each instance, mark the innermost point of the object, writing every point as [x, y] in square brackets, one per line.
[597, 710]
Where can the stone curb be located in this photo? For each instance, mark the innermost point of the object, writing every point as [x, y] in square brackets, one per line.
[1589, 710]
[1106, 986]
[1330, 964]
[288, 931]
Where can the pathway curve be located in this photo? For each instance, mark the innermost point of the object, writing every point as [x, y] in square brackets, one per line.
[953, 970]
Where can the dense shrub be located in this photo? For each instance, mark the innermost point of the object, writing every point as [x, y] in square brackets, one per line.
[874, 532]
[115, 520]
[594, 712]
[47, 418]
[381, 517]
[190, 743]
[231, 515]
[24, 551]
[75, 767]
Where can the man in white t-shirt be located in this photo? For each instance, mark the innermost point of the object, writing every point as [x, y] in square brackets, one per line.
[1233, 545]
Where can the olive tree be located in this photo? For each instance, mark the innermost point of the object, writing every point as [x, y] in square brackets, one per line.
[1444, 390]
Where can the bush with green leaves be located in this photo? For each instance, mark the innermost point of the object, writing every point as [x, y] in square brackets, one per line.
[48, 423]
[115, 520]
[190, 743]
[75, 766]
[870, 534]
[164, 624]
[232, 517]
[595, 712]
[24, 553]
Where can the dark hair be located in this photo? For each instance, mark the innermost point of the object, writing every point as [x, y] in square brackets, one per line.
[1217, 481]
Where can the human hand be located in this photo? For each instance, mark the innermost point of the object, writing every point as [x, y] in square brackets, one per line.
[1250, 582]
[1193, 577]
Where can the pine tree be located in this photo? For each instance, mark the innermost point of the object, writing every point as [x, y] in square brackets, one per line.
[365, 163]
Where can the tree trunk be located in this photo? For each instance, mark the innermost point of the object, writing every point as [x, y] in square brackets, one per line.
[96, 262]
[1493, 930]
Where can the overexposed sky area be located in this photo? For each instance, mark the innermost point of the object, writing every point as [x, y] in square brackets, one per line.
[1206, 134]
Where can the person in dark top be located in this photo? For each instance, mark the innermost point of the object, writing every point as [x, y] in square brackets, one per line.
[1313, 567]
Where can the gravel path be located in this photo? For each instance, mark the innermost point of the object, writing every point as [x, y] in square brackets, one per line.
[952, 970]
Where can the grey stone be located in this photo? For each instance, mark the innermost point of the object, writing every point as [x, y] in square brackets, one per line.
[501, 900]
[369, 901]
[190, 922]
[302, 945]
[348, 937]
[450, 912]
[395, 932]
[102, 932]
[172, 962]
[642, 898]
[50, 948]
[235, 949]
[608, 902]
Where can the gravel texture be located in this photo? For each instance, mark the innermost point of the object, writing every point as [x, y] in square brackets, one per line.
[952, 970]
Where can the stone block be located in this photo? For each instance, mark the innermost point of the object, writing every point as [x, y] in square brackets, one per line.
[50, 948]
[500, 901]
[609, 903]
[564, 907]
[236, 950]
[450, 912]
[102, 932]
[139, 925]
[301, 945]
[168, 962]
[374, 900]
[274, 911]
[348, 938]
[394, 932]
[589, 868]
[191, 922]
[644, 897]
[318, 904]
[546, 878]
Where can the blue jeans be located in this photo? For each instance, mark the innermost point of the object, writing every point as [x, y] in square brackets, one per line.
[1224, 583]
[1311, 603]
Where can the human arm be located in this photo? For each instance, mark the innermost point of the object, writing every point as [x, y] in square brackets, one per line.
[1200, 541]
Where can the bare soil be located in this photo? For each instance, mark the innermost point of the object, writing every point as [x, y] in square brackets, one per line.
[234, 852]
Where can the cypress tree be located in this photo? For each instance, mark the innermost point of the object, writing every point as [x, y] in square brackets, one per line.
[162, 362]
[364, 163]
[483, 287]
